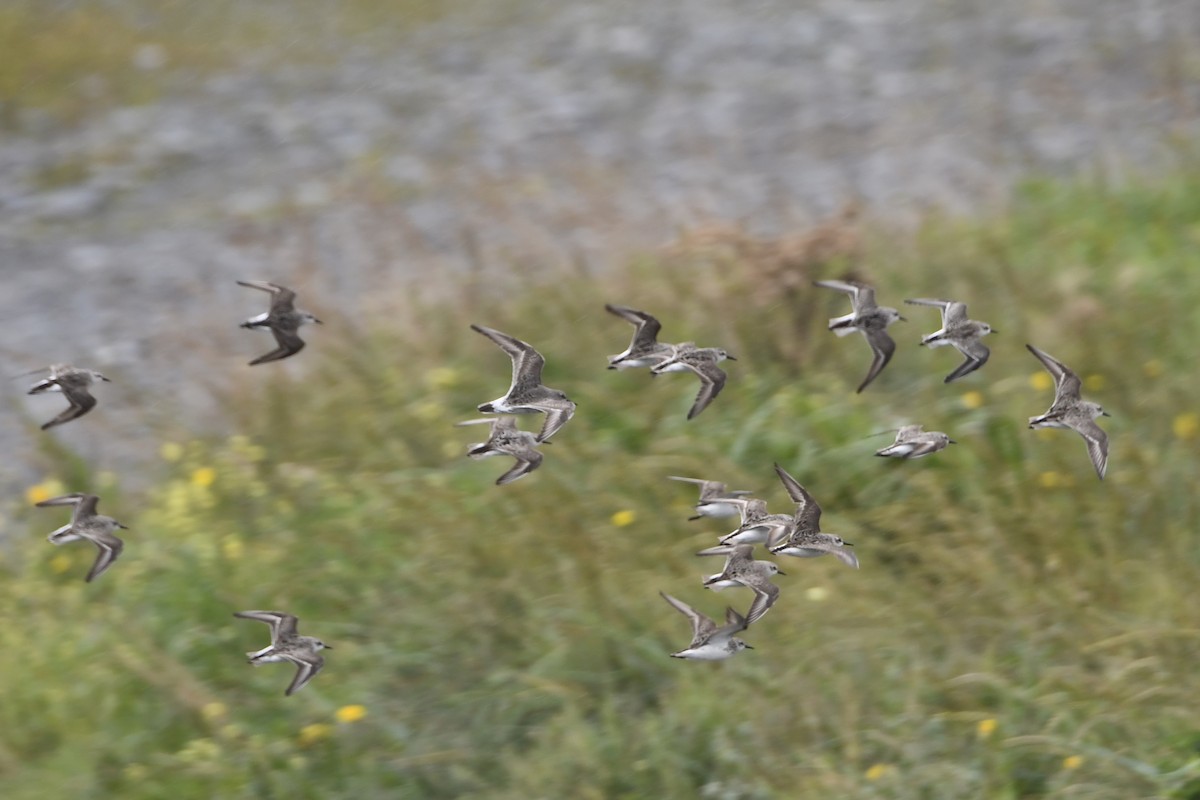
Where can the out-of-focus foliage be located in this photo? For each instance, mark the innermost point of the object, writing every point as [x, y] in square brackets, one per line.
[1018, 628]
[69, 58]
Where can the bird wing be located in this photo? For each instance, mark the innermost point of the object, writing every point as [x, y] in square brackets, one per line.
[808, 511]
[558, 413]
[281, 624]
[702, 627]
[71, 499]
[977, 354]
[289, 344]
[527, 363]
[883, 347]
[765, 595]
[81, 402]
[306, 668]
[646, 335]
[712, 381]
[1097, 444]
[862, 297]
[283, 299]
[708, 489]
[1066, 382]
[109, 547]
[527, 461]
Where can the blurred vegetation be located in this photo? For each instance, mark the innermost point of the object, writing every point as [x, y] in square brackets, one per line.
[1018, 628]
[72, 58]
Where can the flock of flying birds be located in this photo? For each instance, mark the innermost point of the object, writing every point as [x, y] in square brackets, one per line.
[797, 534]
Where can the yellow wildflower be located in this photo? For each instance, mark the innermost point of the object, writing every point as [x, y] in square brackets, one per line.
[985, 728]
[213, 711]
[171, 451]
[60, 563]
[972, 399]
[135, 772]
[43, 491]
[1050, 480]
[1072, 762]
[442, 378]
[1152, 368]
[231, 731]
[878, 771]
[204, 477]
[623, 518]
[1186, 426]
[428, 412]
[350, 714]
[1094, 382]
[311, 734]
[232, 547]
[1041, 380]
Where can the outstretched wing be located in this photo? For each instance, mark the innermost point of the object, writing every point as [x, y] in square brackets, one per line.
[110, 547]
[306, 669]
[808, 511]
[862, 297]
[281, 624]
[1066, 382]
[883, 347]
[283, 299]
[289, 344]
[527, 363]
[977, 354]
[702, 627]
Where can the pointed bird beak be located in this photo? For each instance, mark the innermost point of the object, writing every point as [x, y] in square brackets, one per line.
[105, 379]
[749, 647]
[328, 647]
[731, 358]
[995, 331]
[781, 572]
[123, 527]
[848, 544]
[319, 323]
[951, 441]
[1105, 414]
[902, 319]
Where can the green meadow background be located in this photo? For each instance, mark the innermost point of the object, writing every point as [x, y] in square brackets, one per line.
[1018, 628]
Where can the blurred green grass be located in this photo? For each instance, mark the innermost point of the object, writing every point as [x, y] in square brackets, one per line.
[73, 58]
[1018, 628]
